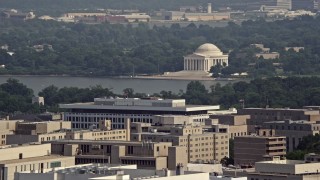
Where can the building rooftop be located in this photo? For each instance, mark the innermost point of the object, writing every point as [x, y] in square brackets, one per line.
[109, 171]
[91, 105]
[104, 142]
[31, 159]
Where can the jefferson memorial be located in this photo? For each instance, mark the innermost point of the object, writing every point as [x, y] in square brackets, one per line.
[206, 56]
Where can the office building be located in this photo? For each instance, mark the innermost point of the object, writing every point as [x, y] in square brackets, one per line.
[303, 4]
[7, 127]
[202, 147]
[147, 155]
[52, 130]
[254, 148]
[293, 130]
[111, 172]
[260, 115]
[234, 124]
[33, 157]
[285, 170]
[84, 115]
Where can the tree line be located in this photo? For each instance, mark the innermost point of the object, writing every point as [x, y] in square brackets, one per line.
[115, 49]
[293, 92]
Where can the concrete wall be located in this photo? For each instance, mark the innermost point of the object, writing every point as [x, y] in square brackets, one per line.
[27, 151]
[177, 156]
[34, 164]
[8, 125]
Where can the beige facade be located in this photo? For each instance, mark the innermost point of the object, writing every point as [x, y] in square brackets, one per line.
[33, 128]
[260, 115]
[44, 131]
[235, 125]
[251, 149]
[293, 130]
[295, 49]
[189, 16]
[3, 136]
[201, 147]
[285, 170]
[111, 172]
[261, 47]
[206, 56]
[7, 127]
[271, 55]
[28, 158]
[24, 138]
[147, 155]
[171, 120]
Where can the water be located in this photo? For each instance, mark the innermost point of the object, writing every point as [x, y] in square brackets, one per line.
[148, 86]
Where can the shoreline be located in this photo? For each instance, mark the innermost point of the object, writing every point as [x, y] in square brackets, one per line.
[129, 77]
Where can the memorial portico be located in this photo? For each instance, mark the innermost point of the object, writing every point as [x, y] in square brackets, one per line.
[206, 56]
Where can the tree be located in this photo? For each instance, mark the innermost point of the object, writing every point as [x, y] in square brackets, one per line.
[128, 92]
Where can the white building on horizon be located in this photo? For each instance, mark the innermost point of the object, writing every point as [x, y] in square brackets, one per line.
[206, 56]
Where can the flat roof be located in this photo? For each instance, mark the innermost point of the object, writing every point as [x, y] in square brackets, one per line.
[260, 137]
[143, 108]
[280, 109]
[119, 142]
[39, 158]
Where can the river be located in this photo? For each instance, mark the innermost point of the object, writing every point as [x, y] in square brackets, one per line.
[148, 86]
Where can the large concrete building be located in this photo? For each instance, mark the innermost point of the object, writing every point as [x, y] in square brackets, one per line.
[235, 125]
[293, 130]
[147, 155]
[7, 127]
[34, 157]
[251, 149]
[111, 172]
[202, 147]
[27, 132]
[260, 115]
[285, 170]
[206, 56]
[84, 115]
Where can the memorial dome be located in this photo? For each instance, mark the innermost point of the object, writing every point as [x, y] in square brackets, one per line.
[208, 49]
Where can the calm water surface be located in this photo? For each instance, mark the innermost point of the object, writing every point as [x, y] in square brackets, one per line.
[148, 86]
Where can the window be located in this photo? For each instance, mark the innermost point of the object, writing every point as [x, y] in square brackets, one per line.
[55, 164]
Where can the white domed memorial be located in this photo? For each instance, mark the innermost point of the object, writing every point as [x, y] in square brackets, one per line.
[206, 56]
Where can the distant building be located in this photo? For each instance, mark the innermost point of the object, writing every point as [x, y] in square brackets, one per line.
[189, 16]
[303, 4]
[271, 55]
[83, 115]
[260, 115]
[14, 14]
[261, 47]
[77, 15]
[285, 170]
[206, 56]
[251, 149]
[38, 100]
[296, 49]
